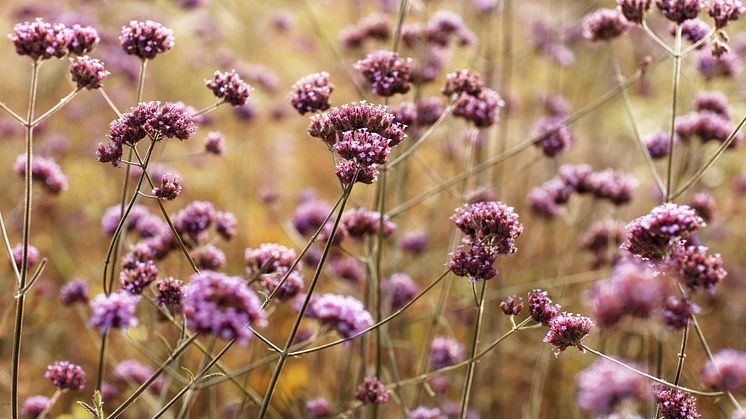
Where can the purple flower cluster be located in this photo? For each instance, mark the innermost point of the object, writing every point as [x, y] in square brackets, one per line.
[208, 257]
[140, 220]
[724, 11]
[567, 330]
[604, 385]
[493, 223]
[474, 260]
[146, 40]
[345, 314]
[66, 376]
[677, 312]
[604, 25]
[634, 10]
[215, 143]
[318, 408]
[675, 404]
[387, 73]
[512, 306]
[601, 238]
[399, 289]
[138, 269]
[146, 119]
[698, 268]
[414, 242]
[33, 406]
[75, 291]
[83, 39]
[170, 293]
[423, 412]
[223, 305]
[229, 87]
[43, 170]
[463, 81]
[713, 101]
[372, 391]
[361, 222]
[348, 269]
[552, 135]
[33, 256]
[117, 310]
[358, 128]
[634, 289]
[541, 308]
[726, 371]
[194, 219]
[170, 187]
[481, 109]
[310, 215]
[658, 145]
[132, 372]
[445, 352]
[654, 235]
[87, 72]
[679, 11]
[704, 205]
[268, 258]
[707, 125]
[311, 93]
[693, 30]
[293, 284]
[41, 40]
[372, 27]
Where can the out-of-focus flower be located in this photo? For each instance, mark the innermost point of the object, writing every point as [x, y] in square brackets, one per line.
[229, 87]
[658, 145]
[208, 257]
[372, 391]
[362, 222]
[552, 135]
[482, 109]
[268, 258]
[726, 371]
[33, 406]
[604, 25]
[66, 376]
[32, 257]
[311, 93]
[83, 39]
[170, 293]
[318, 408]
[704, 205]
[292, 286]
[170, 187]
[372, 27]
[75, 291]
[698, 268]
[724, 11]
[194, 219]
[346, 314]
[713, 101]
[677, 312]
[693, 30]
[215, 303]
[613, 185]
[567, 330]
[414, 242]
[117, 310]
[653, 235]
[215, 143]
[399, 288]
[225, 224]
[146, 40]
[463, 81]
[87, 72]
[135, 373]
[605, 385]
[44, 170]
[41, 40]
[423, 412]
[601, 238]
[445, 352]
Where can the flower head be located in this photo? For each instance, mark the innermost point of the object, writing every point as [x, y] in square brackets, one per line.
[512, 306]
[445, 352]
[372, 391]
[482, 109]
[223, 305]
[414, 242]
[146, 39]
[229, 87]
[362, 222]
[170, 187]
[474, 260]
[658, 145]
[131, 371]
[343, 313]
[698, 268]
[675, 404]
[493, 223]
[33, 406]
[605, 384]
[44, 170]
[399, 288]
[677, 312]
[653, 235]
[170, 293]
[553, 135]
[83, 39]
[117, 310]
[33, 256]
[604, 25]
[634, 10]
[75, 291]
[567, 330]
[215, 143]
[679, 11]
[268, 258]
[311, 93]
[541, 308]
[87, 72]
[66, 376]
[726, 371]
[41, 40]
[318, 408]
[724, 11]
[463, 81]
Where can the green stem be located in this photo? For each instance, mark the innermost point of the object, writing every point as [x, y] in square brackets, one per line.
[676, 77]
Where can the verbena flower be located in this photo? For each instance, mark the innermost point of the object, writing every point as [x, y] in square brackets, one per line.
[311, 93]
[679, 11]
[75, 291]
[653, 235]
[602, 237]
[292, 286]
[87, 72]
[414, 242]
[693, 30]
[473, 260]
[567, 330]
[117, 310]
[170, 294]
[215, 303]
[349, 269]
[675, 404]
[444, 26]
[208, 257]
[41, 40]
[225, 224]
[726, 371]
[372, 27]
[268, 258]
[541, 308]
[704, 205]
[170, 187]
[372, 391]
[634, 10]
[724, 11]
[399, 289]
[463, 81]
[66, 376]
[423, 412]
[362, 222]
[698, 268]
[604, 25]
[229, 87]
[83, 39]
[138, 269]
[605, 385]
[346, 314]
[318, 408]
[134, 372]
[44, 170]
[493, 223]
[553, 135]
[33, 406]
[215, 143]
[33, 256]
[194, 219]
[658, 145]
[482, 110]
[146, 40]
[713, 101]
[678, 311]
[512, 306]
[445, 352]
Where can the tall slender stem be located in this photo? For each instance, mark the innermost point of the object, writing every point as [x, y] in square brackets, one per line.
[676, 77]
[52, 401]
[286, 350]
[474, 346]
[20, 301]
[681, 355]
